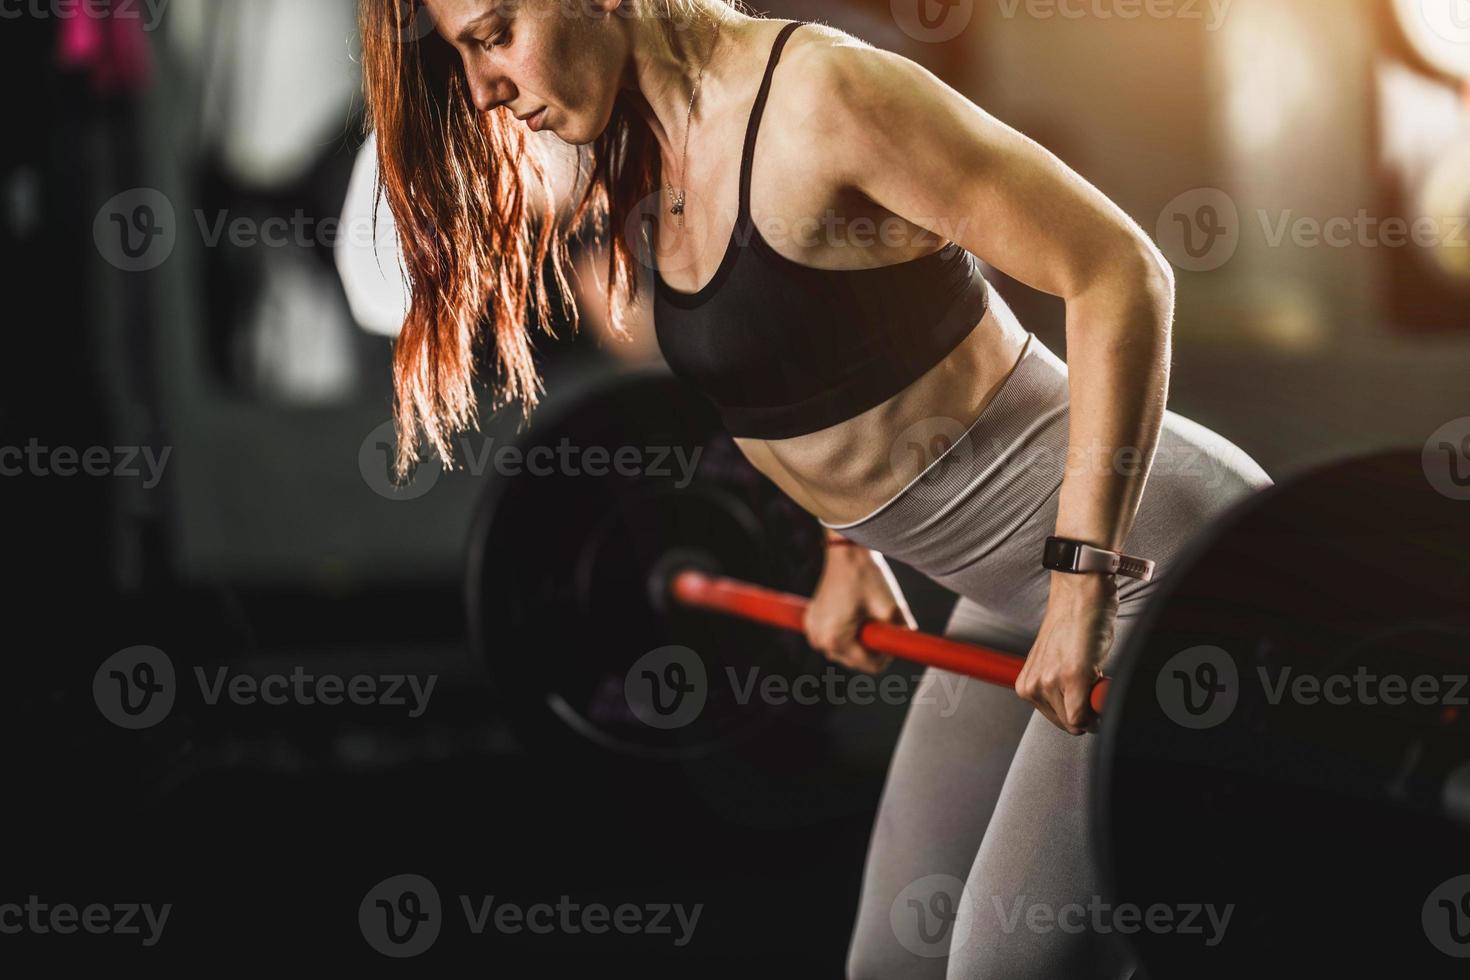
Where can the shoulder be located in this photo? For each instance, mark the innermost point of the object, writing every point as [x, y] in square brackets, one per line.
[841, 72]
[840, 87]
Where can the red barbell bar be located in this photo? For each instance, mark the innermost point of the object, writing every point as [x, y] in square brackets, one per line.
[786, 611]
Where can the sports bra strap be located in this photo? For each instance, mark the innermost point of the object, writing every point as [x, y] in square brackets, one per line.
[747, 159]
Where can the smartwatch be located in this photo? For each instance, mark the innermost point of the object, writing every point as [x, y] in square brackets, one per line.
[1080, 558]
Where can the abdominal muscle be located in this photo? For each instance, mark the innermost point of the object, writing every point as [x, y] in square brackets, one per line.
[843, 473]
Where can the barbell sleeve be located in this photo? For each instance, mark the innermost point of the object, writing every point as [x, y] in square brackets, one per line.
[787, 611]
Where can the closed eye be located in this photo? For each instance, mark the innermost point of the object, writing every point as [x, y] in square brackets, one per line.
[498, 40]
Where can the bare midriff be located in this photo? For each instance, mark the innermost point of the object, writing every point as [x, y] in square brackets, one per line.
[844, 473]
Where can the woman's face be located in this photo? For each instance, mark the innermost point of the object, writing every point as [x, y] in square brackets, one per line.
[529, 55]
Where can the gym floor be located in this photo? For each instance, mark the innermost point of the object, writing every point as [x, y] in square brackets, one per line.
[193, 463]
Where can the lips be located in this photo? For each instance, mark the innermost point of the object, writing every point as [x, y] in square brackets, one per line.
[535, 119]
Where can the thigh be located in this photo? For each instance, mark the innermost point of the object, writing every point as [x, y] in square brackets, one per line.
[948, 768]
[1032, 901]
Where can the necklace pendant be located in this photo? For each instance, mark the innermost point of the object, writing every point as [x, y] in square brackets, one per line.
[678, 207]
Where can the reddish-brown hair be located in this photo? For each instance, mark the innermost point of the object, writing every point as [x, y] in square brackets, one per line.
[477, 244]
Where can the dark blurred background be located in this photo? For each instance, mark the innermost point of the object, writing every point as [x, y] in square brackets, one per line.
[240, 389]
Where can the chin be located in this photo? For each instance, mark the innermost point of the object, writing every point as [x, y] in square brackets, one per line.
[580, 130]
[574, 132]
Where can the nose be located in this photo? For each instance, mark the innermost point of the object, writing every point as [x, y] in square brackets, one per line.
[489, 91]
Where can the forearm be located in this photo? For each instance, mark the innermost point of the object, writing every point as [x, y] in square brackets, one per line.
[1119, 348]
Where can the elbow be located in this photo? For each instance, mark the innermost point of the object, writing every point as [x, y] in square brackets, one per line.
[1152, 270]
[1136, 278]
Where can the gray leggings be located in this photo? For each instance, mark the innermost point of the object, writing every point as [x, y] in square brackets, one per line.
[980, 864]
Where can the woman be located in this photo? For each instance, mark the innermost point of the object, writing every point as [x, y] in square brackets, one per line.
[800, 187]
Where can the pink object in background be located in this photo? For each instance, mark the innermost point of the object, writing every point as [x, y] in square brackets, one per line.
[113, 49]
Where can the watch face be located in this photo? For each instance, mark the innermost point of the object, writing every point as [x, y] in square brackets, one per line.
[1060, 554]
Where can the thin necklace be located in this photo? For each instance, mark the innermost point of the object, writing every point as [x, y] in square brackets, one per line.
[677, 209]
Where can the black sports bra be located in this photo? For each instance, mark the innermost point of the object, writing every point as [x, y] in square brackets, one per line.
[784, 349]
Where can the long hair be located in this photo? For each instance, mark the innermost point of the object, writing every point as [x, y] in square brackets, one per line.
[477, 243]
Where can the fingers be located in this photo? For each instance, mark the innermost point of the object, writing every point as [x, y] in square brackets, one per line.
[1076, 708]
[837, 640]
[1062, 697]
[899, 615]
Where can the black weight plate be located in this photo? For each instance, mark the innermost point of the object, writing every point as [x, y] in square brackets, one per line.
[560, 569]
[1253, 757]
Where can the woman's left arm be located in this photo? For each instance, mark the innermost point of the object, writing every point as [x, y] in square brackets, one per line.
[921, 150]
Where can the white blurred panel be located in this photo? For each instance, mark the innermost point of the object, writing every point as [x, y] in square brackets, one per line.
[369, 258]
